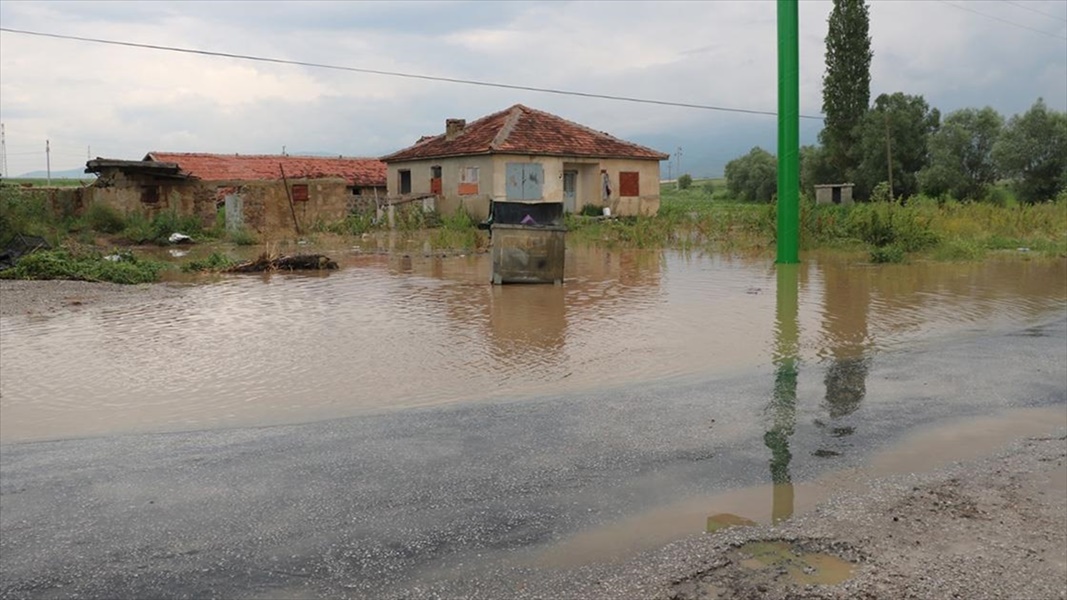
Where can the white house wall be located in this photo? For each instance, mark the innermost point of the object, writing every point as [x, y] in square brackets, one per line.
[493, 181]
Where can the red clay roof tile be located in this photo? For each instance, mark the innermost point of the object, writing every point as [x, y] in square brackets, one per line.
[524, 130]
[237, 167]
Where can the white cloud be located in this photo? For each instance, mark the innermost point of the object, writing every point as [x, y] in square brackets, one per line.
[126, 101]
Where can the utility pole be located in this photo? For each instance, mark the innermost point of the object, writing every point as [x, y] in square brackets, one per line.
[678, 157]
[888, 156]
[788, 133]
[3, 152]
[48, 162]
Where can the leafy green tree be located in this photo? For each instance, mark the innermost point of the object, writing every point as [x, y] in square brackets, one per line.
[753, 177]
[961, 154]
[815, 168]
[1032, 151]
[685, 181]
[846, 84]
[907, 122]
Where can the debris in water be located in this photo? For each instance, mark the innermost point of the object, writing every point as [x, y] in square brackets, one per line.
[299, 262]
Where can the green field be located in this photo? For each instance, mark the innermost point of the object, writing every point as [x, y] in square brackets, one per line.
[38, 183]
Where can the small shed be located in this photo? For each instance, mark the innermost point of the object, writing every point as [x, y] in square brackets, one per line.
[834, 193]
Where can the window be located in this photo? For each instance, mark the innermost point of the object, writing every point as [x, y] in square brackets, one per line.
[629, 184]
[468, 181]
[524, 181]
[300, 192]
[149, 194]
[435, 179]
[405, 181]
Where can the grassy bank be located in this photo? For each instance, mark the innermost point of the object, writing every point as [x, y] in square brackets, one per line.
[704, 216]
[85, 265]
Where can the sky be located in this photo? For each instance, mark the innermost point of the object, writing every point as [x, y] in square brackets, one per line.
[90, 99]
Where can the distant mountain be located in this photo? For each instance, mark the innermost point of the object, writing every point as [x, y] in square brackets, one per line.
[68, 174]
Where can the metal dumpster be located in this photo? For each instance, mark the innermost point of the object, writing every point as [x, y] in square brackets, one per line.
[527, 242]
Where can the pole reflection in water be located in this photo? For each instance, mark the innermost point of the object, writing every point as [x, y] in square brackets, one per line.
[783, 407]
[846, 302]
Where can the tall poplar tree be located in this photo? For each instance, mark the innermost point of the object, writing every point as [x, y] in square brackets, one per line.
[846, 85]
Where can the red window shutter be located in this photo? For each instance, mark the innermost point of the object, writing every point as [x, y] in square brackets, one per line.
[629, 184]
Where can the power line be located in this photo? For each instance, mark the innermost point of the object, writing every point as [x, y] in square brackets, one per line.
[1034, 10]
[300, 63]
[989, 16]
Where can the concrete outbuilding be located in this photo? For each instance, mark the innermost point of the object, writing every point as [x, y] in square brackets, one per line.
[834, 193]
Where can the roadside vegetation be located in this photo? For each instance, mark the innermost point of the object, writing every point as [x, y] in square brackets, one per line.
[707, 216]
[85, 264]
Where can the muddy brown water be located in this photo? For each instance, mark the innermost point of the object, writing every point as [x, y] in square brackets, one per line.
[393, 331]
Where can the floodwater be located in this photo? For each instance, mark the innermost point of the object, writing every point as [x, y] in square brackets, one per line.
[387, 332]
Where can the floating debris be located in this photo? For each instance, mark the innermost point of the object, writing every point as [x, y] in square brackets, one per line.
[298, 262]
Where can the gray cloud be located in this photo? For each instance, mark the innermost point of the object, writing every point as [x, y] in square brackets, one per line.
[127, 101]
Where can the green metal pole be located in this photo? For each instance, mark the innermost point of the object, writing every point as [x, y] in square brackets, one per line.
[788, 133]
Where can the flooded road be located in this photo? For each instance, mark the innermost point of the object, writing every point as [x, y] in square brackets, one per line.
[497, 437]
[388, 332]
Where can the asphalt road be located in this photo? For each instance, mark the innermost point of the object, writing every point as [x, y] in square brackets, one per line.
[439, 501]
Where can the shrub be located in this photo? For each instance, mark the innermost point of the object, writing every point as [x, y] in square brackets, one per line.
[105, 219]
[685, 181]
[242, 236]
[215, 262]
[23, 214]
[63, 263]
[141, 230]
[887, 254]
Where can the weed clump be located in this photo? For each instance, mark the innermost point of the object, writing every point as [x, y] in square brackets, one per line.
[65, 263]
[214, 263]
[105, 219]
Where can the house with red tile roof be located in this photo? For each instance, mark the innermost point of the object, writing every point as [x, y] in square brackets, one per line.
[261, 192]
[526, 155]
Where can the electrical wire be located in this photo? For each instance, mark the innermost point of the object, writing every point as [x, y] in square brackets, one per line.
[989, 16]
[300, 63]
[1034, 10]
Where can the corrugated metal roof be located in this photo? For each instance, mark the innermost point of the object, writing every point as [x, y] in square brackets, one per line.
[243, 167]
[524, 130]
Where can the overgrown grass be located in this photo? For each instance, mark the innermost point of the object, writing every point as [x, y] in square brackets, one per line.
[26, 214]
[457, 231]
[242, 236]
[142, 230]
[43, 182]
[85, 265]
[214, 263]
[105, 219]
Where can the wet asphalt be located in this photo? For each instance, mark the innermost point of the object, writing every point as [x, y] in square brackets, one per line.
[439, 501]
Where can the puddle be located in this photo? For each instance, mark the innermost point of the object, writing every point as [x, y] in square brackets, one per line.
[725, 520]
[394, 331]
[804, 568]
[923, 451]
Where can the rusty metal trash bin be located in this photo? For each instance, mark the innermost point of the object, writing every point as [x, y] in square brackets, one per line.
[528, 242]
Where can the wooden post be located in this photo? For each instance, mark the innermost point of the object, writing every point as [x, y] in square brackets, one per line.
[289, 195]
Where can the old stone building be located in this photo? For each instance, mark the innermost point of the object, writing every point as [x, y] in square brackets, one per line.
[261, 192]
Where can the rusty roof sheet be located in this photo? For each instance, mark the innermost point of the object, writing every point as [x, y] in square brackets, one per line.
[252, 167]
[524, 130]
